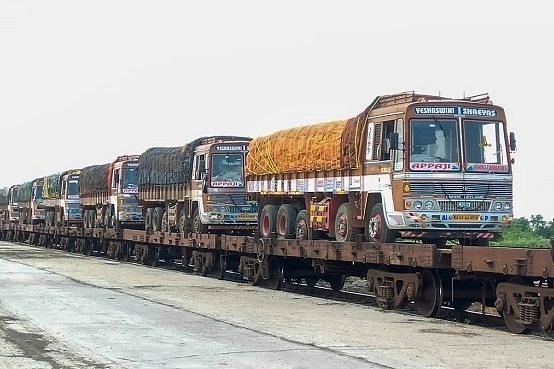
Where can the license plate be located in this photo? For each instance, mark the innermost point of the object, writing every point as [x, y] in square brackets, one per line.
[466, 217]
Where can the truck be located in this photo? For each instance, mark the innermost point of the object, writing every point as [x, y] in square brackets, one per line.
[199, 187]
[61, 199]
[108, 194]
[13, 209]
[30, 202]
[4, 201]
[413, 167]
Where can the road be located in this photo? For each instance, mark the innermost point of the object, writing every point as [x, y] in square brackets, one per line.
[60, 310]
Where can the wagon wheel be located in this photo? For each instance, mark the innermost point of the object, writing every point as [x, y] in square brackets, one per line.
[155, 257]
[513, 325]
[336, 281]
[257, 275]
[88, 248]
[429, 300]
[144, 255]
[126, 253]
[311, 281]
[509, 315]
[221, 267]
[460, 305]
[275, 280]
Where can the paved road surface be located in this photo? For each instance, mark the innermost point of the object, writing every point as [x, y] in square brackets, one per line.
[60, 310]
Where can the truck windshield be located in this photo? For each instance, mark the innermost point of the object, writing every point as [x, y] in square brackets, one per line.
[484, 146]
[73, 189]
[130, 180]
[227, 170]
[38, 193]
[15, 195]
[434, 145]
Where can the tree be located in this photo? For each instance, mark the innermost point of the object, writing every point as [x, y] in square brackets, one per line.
[525, 233]
[540, 226]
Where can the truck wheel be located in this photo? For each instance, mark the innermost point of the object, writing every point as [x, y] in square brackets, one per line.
[302, 226]
[85, 219]
[157, 220]
[149, 219]
[344, 229]
[109, 217]
[197, 225]
[183, 224]
[165, 227]
[286, 218]
[268, 220]
[376, 226]
[92, 218]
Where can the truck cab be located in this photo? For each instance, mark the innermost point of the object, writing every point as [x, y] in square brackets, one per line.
[30, 202]
[4, 205]
[69, 199]
[38, 213]
[61, 199]
[219, 188]
[68, 210]
[124, 208]
[14, 211]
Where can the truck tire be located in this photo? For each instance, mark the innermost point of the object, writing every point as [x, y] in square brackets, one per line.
[344, 229]
[183, 228]
[109, 216]
[197, 225]
[85, 219]
[149, 219]
[303, 231]
[157, 219]
[268, 220]
[285, 223]
[92, 218]
[376, 226]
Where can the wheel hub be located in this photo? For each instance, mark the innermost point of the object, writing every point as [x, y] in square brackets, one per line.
[374, 227]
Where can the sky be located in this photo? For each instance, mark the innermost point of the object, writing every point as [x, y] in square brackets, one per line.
[82, 82]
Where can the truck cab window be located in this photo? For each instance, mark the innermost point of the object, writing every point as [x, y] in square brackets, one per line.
[115, 182]
[379, 148]
[200, 171]
[388, 129]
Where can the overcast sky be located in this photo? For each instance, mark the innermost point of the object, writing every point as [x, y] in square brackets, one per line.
[83, 82]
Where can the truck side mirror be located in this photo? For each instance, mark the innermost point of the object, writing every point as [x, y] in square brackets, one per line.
[512, 141]
[393, 140]
[205, 183]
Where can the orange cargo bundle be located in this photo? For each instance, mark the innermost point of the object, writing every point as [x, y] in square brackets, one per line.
[305, 148]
